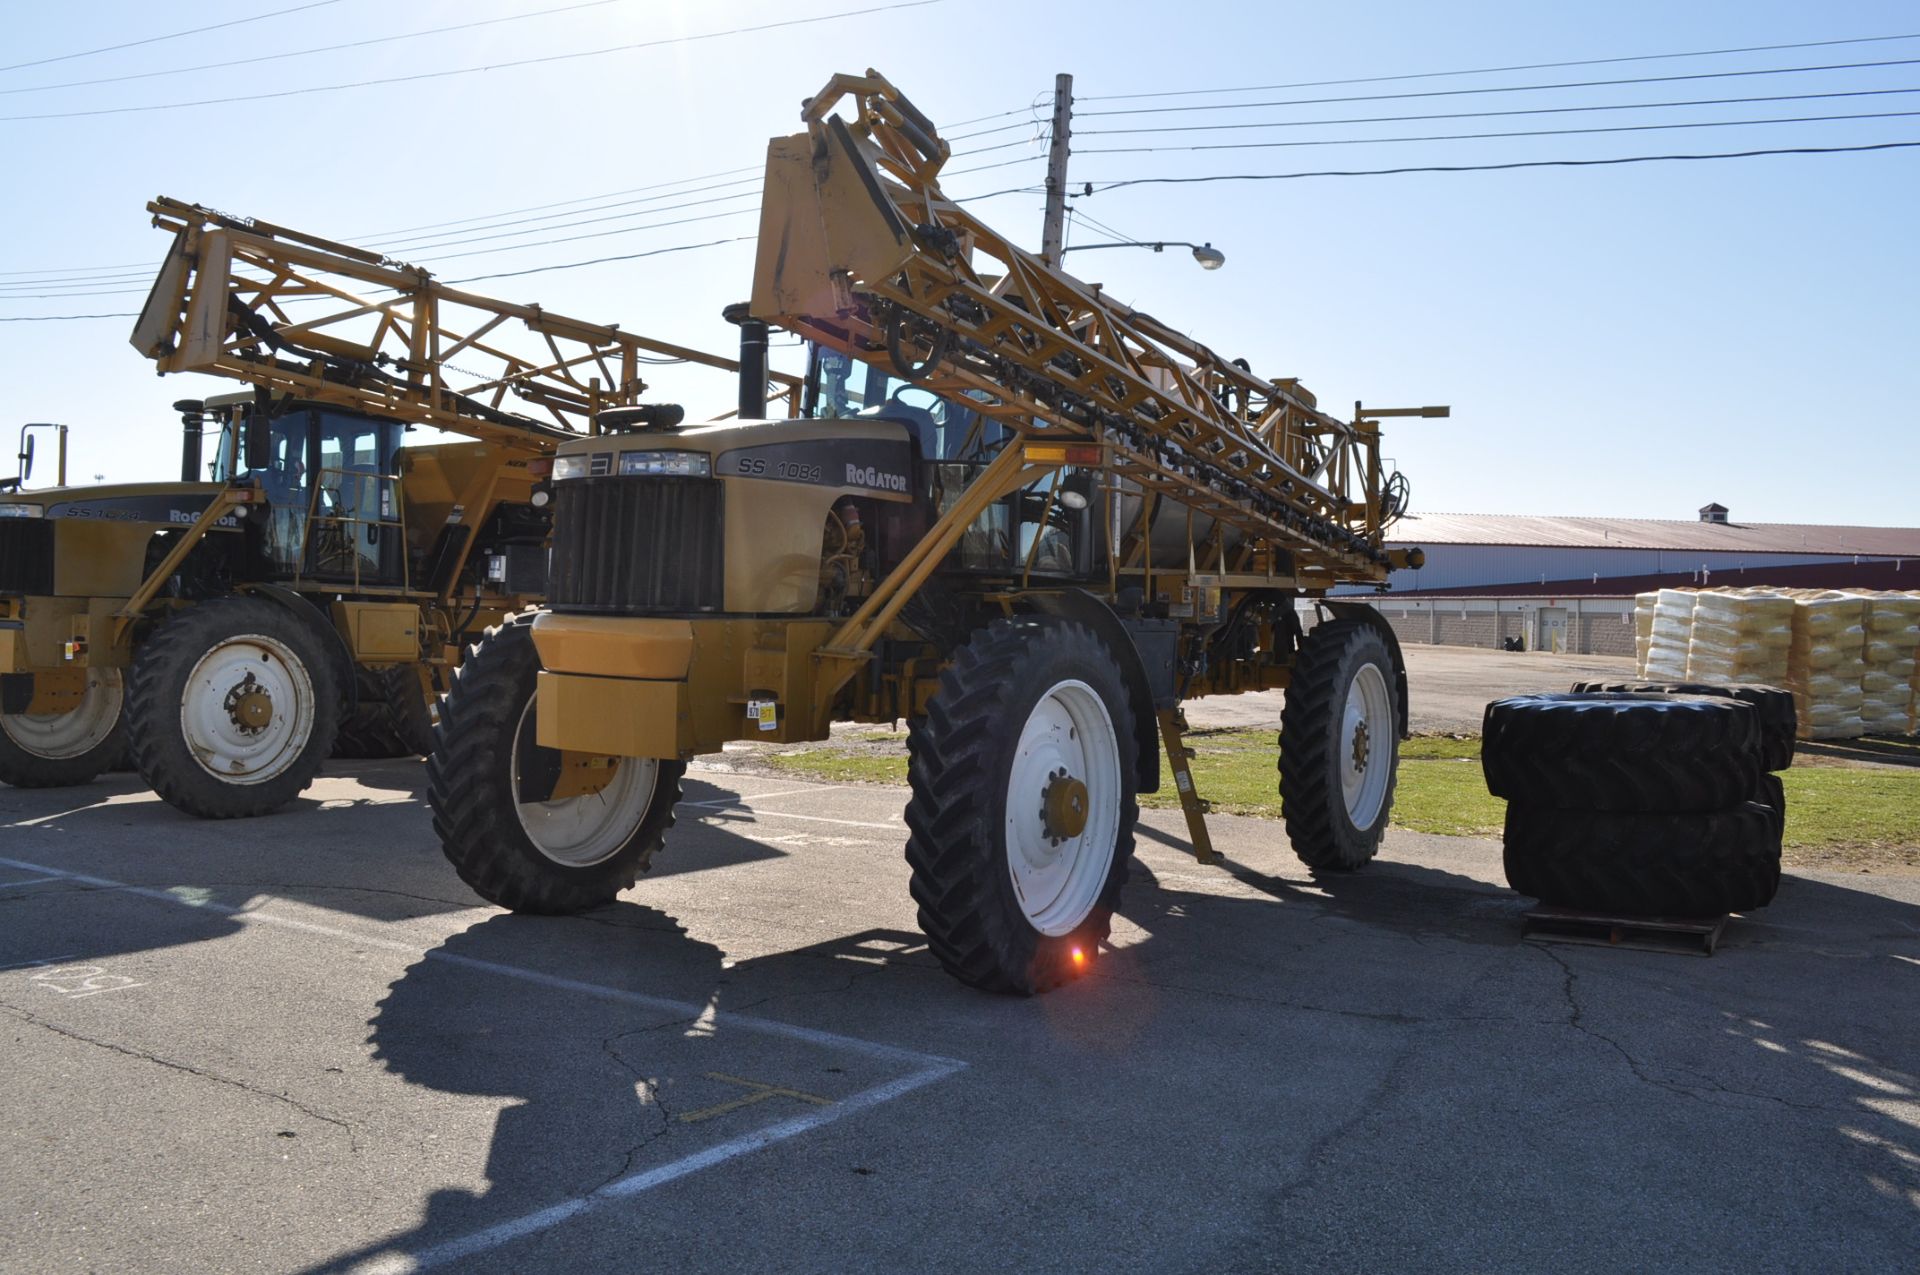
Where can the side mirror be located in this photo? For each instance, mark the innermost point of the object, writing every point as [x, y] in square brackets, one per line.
[26, 459]
[258, 440]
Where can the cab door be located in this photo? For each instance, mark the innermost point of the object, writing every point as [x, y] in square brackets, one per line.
[357, 532]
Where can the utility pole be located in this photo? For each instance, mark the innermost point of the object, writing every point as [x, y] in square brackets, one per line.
[1053, 235]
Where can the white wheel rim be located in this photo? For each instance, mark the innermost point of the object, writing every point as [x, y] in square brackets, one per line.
[1059, 879]
[213, 720]
[76, 732]
[579, 832]
[1367, 745]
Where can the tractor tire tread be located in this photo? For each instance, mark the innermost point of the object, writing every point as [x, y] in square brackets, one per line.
[469, 790]
[1645, 864]
[1625, 752]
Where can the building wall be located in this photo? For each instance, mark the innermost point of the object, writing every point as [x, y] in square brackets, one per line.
[1595, 626]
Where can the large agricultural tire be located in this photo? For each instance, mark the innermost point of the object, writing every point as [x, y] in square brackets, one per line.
[60, 750]
[1645, 865]
[232, 707]
[1772, 794]
[1339, 746]
[491, 788]
[1779, 721]
[1023, 810]
[390, 716]
[1626, 752]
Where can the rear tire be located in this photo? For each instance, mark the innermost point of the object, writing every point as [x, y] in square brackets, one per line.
[1645, 865]
[1650, 753]
[1339, 746]
[1021, 823]
[232, 708]
[509, 840]
[390, 716]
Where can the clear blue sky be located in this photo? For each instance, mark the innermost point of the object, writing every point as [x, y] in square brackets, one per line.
[1630, 340]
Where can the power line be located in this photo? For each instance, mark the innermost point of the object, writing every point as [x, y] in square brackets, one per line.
[503, 274]
[1476, 115]
[753, 182]
[1465, 137]
[596, 261]
[14, 291]
[474, 70]
[1101, 187]
[56, 318]
[156, 39]
[422, 247]
[597, 234]
[1509, 88]
[1495, 70]
[381, 235]
[301, 53]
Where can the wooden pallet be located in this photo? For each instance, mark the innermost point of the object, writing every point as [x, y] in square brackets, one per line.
[1686, 936]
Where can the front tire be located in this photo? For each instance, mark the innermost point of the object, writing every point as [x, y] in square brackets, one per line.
[232, 708]
[59, 750]
[1023, 809]
[492, 789]
[1339, 746]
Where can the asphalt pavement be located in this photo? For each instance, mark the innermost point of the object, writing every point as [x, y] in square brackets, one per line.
[299, 1044]
[1451, 687]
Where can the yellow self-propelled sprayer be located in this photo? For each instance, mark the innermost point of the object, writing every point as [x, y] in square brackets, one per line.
[1021, 515]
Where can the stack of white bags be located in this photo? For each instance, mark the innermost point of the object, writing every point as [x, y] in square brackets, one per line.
[1740, 637]
[1825, 664]
[1887, 679]
[1667, 643]
[1851, 659]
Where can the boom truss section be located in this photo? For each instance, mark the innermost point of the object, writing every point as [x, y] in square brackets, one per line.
[320, 320]
[860, 251]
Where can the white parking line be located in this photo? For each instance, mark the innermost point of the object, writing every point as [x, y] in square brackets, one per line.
[635, 1184]
[928, 1068]
[764, 796]
[785, 814]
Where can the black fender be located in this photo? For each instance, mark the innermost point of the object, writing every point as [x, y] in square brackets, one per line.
[1368, 614]
[309, 612]
[1083, 608]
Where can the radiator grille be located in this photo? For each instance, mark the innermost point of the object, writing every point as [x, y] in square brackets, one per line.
[26, 556]
[637, 545]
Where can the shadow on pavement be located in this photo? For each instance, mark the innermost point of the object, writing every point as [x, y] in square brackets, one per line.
[601, 1086]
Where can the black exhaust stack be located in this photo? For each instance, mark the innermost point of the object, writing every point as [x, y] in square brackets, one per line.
[753, 361]
[192, 416]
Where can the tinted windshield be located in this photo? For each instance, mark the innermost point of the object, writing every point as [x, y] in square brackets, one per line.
[945, 428]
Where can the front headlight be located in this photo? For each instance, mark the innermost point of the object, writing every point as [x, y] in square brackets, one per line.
[565, 467]
[20, 509]
[681, 464]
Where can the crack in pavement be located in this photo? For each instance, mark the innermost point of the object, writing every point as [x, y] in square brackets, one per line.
[654, 1098]
[1377, 1016]
[28, 1016]
[1576, 1019]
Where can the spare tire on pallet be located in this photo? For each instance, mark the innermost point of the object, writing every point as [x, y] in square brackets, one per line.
[1622, 752]
[1779, 722]
[1645, 865]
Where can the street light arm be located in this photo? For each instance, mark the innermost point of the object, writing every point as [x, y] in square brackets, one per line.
[1155, 244]
[1209, 257]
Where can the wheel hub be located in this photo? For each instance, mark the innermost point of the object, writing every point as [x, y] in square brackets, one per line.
[1360, 746]
[1063, 807]
[250, 706]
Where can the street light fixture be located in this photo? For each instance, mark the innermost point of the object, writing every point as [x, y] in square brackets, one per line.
[1209, 257]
